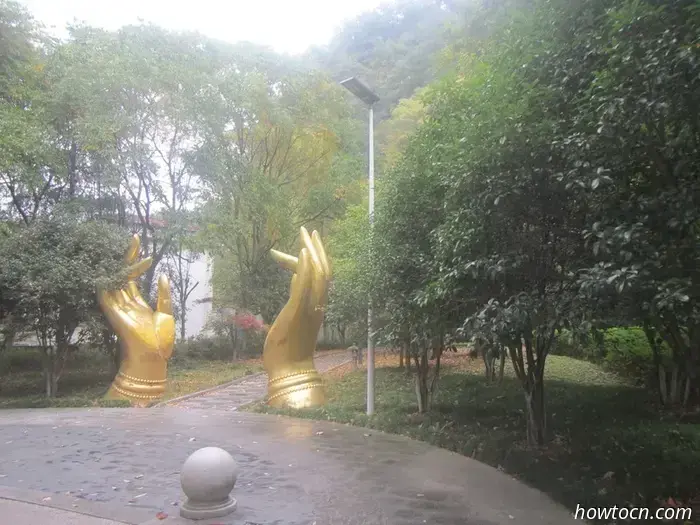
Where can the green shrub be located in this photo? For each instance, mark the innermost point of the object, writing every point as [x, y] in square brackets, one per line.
[255, 344]
[627, 352]
[20, 359]
[565, 345]
[203, 349]
[624, 350]
[578, 346]
[217, 348]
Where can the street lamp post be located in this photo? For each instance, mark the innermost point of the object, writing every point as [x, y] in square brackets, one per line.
[366, 95]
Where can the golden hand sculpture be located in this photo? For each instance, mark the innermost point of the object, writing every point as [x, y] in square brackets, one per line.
[288, 356]
[146, 337]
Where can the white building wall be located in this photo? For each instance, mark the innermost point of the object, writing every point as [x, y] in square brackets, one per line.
[198, 312]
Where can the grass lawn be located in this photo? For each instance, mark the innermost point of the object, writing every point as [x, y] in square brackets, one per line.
[89, 375]
[610, 444]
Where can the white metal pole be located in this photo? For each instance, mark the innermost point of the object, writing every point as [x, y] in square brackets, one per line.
[370, 342]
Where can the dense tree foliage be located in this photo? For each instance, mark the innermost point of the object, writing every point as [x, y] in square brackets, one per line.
[555, 175]
[49, 272]
[352, 268]
[640, 134]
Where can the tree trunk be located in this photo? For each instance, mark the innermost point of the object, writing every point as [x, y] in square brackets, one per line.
[113, 349]
[233, 337]
[72, 170]
[240, 348]
[599, 340]
[484, 349]
[660, 370]
[487, 370]
[674, 390]
[183, 323]
[234, 355]
[341, 332]
[663, 391]
[422, 393]
[401, 354]
[489, 355]
[147, 279]
[535, 411]
[502, 366]
[54, 386]
[48, 377]
[50, 372]
[435, 380]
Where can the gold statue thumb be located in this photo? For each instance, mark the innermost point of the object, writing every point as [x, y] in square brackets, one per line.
[146, 337]
[288, 356]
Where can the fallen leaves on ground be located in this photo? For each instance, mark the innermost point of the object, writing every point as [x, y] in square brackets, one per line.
[457, 361]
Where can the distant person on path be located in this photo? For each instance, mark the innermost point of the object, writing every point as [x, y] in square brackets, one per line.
[356, 354]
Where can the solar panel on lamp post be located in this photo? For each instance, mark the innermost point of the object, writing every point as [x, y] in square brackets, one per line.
[366, 95]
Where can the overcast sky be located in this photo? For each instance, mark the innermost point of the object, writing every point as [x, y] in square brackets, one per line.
[288, 26]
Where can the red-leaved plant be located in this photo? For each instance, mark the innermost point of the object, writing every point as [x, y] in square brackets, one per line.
[248, 321]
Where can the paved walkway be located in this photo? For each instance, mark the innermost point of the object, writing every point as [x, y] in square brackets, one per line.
[21, 513]
[250, 389]
[292, 472]
[122, 467]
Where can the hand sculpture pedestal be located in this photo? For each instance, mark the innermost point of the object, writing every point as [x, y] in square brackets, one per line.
[304, 389]
[141, 392]
[288, 356]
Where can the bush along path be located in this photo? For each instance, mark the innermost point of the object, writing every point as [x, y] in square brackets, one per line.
[250, 389]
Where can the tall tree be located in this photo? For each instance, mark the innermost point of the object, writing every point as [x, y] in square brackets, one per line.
[271, 163]
[136, 121]
[640, 134]
[30, 171]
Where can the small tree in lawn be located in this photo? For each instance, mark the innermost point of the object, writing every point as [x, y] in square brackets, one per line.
[489, 347]
[247, 324]
[236, 326]
[52, 269]
[350, 289]
[409, 208]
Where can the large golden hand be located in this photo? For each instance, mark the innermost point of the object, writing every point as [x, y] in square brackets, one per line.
[146, 337]
[288, 356]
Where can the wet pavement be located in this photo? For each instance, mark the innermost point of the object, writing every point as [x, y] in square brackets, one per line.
[252, 388]
[292, 472]
[21, 513]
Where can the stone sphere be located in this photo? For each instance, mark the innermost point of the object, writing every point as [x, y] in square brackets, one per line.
[209, 475]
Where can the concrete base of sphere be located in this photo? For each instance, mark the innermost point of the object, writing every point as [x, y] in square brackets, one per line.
[205, 511]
